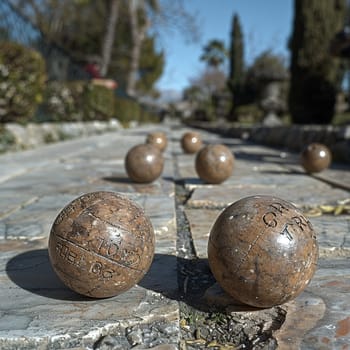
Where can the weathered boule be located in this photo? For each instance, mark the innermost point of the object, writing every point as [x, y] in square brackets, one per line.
[214, 163]
[315, 157]
[144, 163]
[101, 244]
[157, 139]
[191, 142]
[262, 251]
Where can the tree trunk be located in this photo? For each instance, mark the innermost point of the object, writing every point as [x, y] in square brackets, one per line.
[108, 41]
[137, 35]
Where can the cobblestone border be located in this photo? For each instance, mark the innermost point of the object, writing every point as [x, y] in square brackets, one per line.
[292, 138]
[18, 137]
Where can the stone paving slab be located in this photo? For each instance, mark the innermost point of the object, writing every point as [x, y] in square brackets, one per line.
[333, 233]
[337, 175]
[317, 319]
[41, 309]
[250, 178]
[21, 162]
[320, 317]
[317, 194]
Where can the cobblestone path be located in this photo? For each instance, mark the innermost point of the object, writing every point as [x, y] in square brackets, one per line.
[177, 305]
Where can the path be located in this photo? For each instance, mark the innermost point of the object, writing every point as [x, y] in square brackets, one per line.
[177, 305]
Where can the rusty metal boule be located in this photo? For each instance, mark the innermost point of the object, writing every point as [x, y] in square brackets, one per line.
[157, 139]
[101, 244]
[262, 251]
[144, 163]
[315, 157]
[214, 163]
[191, 142]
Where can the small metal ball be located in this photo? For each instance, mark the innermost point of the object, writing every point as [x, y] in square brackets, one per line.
[157, 139]
[144, 163]
[262, 251]
[191, 142]
[214, 163]
[315, 158]
[101, 244]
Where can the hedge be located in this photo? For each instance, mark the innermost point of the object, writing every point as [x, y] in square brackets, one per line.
[77, 101]
[22, 82]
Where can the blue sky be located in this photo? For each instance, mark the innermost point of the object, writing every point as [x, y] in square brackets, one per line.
[266, 24]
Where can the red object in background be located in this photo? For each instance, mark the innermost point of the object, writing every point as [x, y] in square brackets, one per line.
[94, 70]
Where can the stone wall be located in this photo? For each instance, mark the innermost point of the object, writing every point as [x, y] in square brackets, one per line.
[292, 138]
[18, 137]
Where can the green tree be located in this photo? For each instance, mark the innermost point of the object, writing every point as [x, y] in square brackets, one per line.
[113, 33]
[235, 80]
[313, 70]
[236, 53]
[214, 53]
[105, 32]
[266, 67]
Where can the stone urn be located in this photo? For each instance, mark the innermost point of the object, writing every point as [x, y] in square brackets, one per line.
[272, 102]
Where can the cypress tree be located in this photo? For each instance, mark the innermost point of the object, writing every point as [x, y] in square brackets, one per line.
[313, 70]
[236, 69]
[236, 54]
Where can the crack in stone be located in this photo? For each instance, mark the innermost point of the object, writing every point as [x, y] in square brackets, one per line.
[184, 242]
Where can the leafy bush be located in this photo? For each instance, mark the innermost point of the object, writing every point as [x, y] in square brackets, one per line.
[22, 82]
[148, 117]
[85, 101]
[100, 102]
[248, 114]
[127, 110]
[77, 101]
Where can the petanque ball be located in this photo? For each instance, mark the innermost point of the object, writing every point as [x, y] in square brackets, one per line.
[315, 157]
[144, 163]
[214, 163]
[157, 139]
[191, 142]
[101, 244]
[262, 251]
